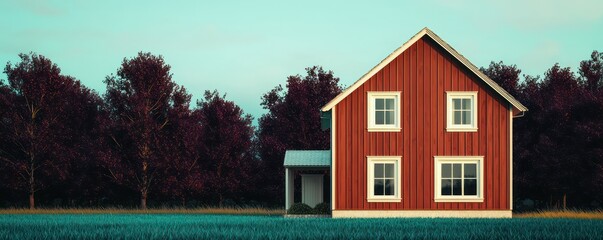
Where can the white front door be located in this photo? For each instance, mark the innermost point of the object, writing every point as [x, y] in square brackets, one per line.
[312, 189]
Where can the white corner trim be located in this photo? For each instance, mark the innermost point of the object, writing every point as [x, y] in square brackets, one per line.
[450, 126]
[333, 147]
[438, 160]
[422, 214]
[370, 112]
[425, 31]
[287, 189]
[510, 157]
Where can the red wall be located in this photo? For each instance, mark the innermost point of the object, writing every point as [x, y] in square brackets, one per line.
[423, 73]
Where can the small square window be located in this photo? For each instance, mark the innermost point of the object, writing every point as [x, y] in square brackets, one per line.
[383, 179]
[461, 111]
[383, 111]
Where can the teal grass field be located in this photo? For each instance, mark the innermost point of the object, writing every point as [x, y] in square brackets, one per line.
[201, 226]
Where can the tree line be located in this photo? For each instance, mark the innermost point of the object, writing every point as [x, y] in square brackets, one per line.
[64, 145]
[142, 143]
[558, 143]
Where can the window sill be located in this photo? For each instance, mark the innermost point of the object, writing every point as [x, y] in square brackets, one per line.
[383, 129]
[459, 200]
[459, 129]
[384, 199]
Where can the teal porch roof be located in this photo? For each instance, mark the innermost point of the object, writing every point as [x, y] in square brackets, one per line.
[307, 158]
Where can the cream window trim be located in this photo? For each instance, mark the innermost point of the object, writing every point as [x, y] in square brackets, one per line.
[440, 160]
[450, 111]
[371, 162]
[372, 125]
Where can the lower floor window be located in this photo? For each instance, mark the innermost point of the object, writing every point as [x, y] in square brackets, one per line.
[458, 178]
[383, 181]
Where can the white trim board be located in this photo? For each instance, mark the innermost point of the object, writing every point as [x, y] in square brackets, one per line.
[333, 136]
[422, 214]
[425, 31]
[510, 157]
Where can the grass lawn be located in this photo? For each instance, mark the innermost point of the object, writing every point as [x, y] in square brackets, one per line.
[237, 211]
[209, 226]
[594, 214]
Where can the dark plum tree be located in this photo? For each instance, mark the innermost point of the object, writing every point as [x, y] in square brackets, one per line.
[559, 94]
[590, 115]
[293, 121]
[591, 72]
[507, 76]
[558, 143]
[80, 124]
[184, 178]
[225, 146]
[141, 99]
[45, 120]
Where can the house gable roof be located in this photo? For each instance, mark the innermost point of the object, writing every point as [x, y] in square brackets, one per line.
[425, 32]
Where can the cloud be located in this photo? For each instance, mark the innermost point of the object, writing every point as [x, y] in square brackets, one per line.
[545, 14]
[214, 36]
[542, 56]
[529, 14]
[40, 7]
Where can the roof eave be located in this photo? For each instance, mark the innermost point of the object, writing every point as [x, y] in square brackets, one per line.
[425, 31]
[374, 70]
[497, 88]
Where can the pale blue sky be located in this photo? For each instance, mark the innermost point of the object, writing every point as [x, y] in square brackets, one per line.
[245, 48]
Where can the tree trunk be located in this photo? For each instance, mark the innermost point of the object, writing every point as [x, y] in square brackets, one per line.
[221, 200]
[32, 202]
[32, 187]
[564, 200]
[551, 201]
[143, 201]
[144, 154]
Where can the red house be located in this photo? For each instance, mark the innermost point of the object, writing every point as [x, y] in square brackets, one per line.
[422, 134]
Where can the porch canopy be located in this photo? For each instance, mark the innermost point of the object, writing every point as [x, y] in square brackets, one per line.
[311, 184]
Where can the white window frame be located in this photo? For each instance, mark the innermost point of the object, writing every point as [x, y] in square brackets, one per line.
[372, 127]
[371, 161]
[439, 160]
[450, 126]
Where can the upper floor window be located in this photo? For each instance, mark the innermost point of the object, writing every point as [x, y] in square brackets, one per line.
[461, 111]
[383, 111]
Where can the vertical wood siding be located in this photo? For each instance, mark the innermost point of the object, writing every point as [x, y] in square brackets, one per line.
[423, 73]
